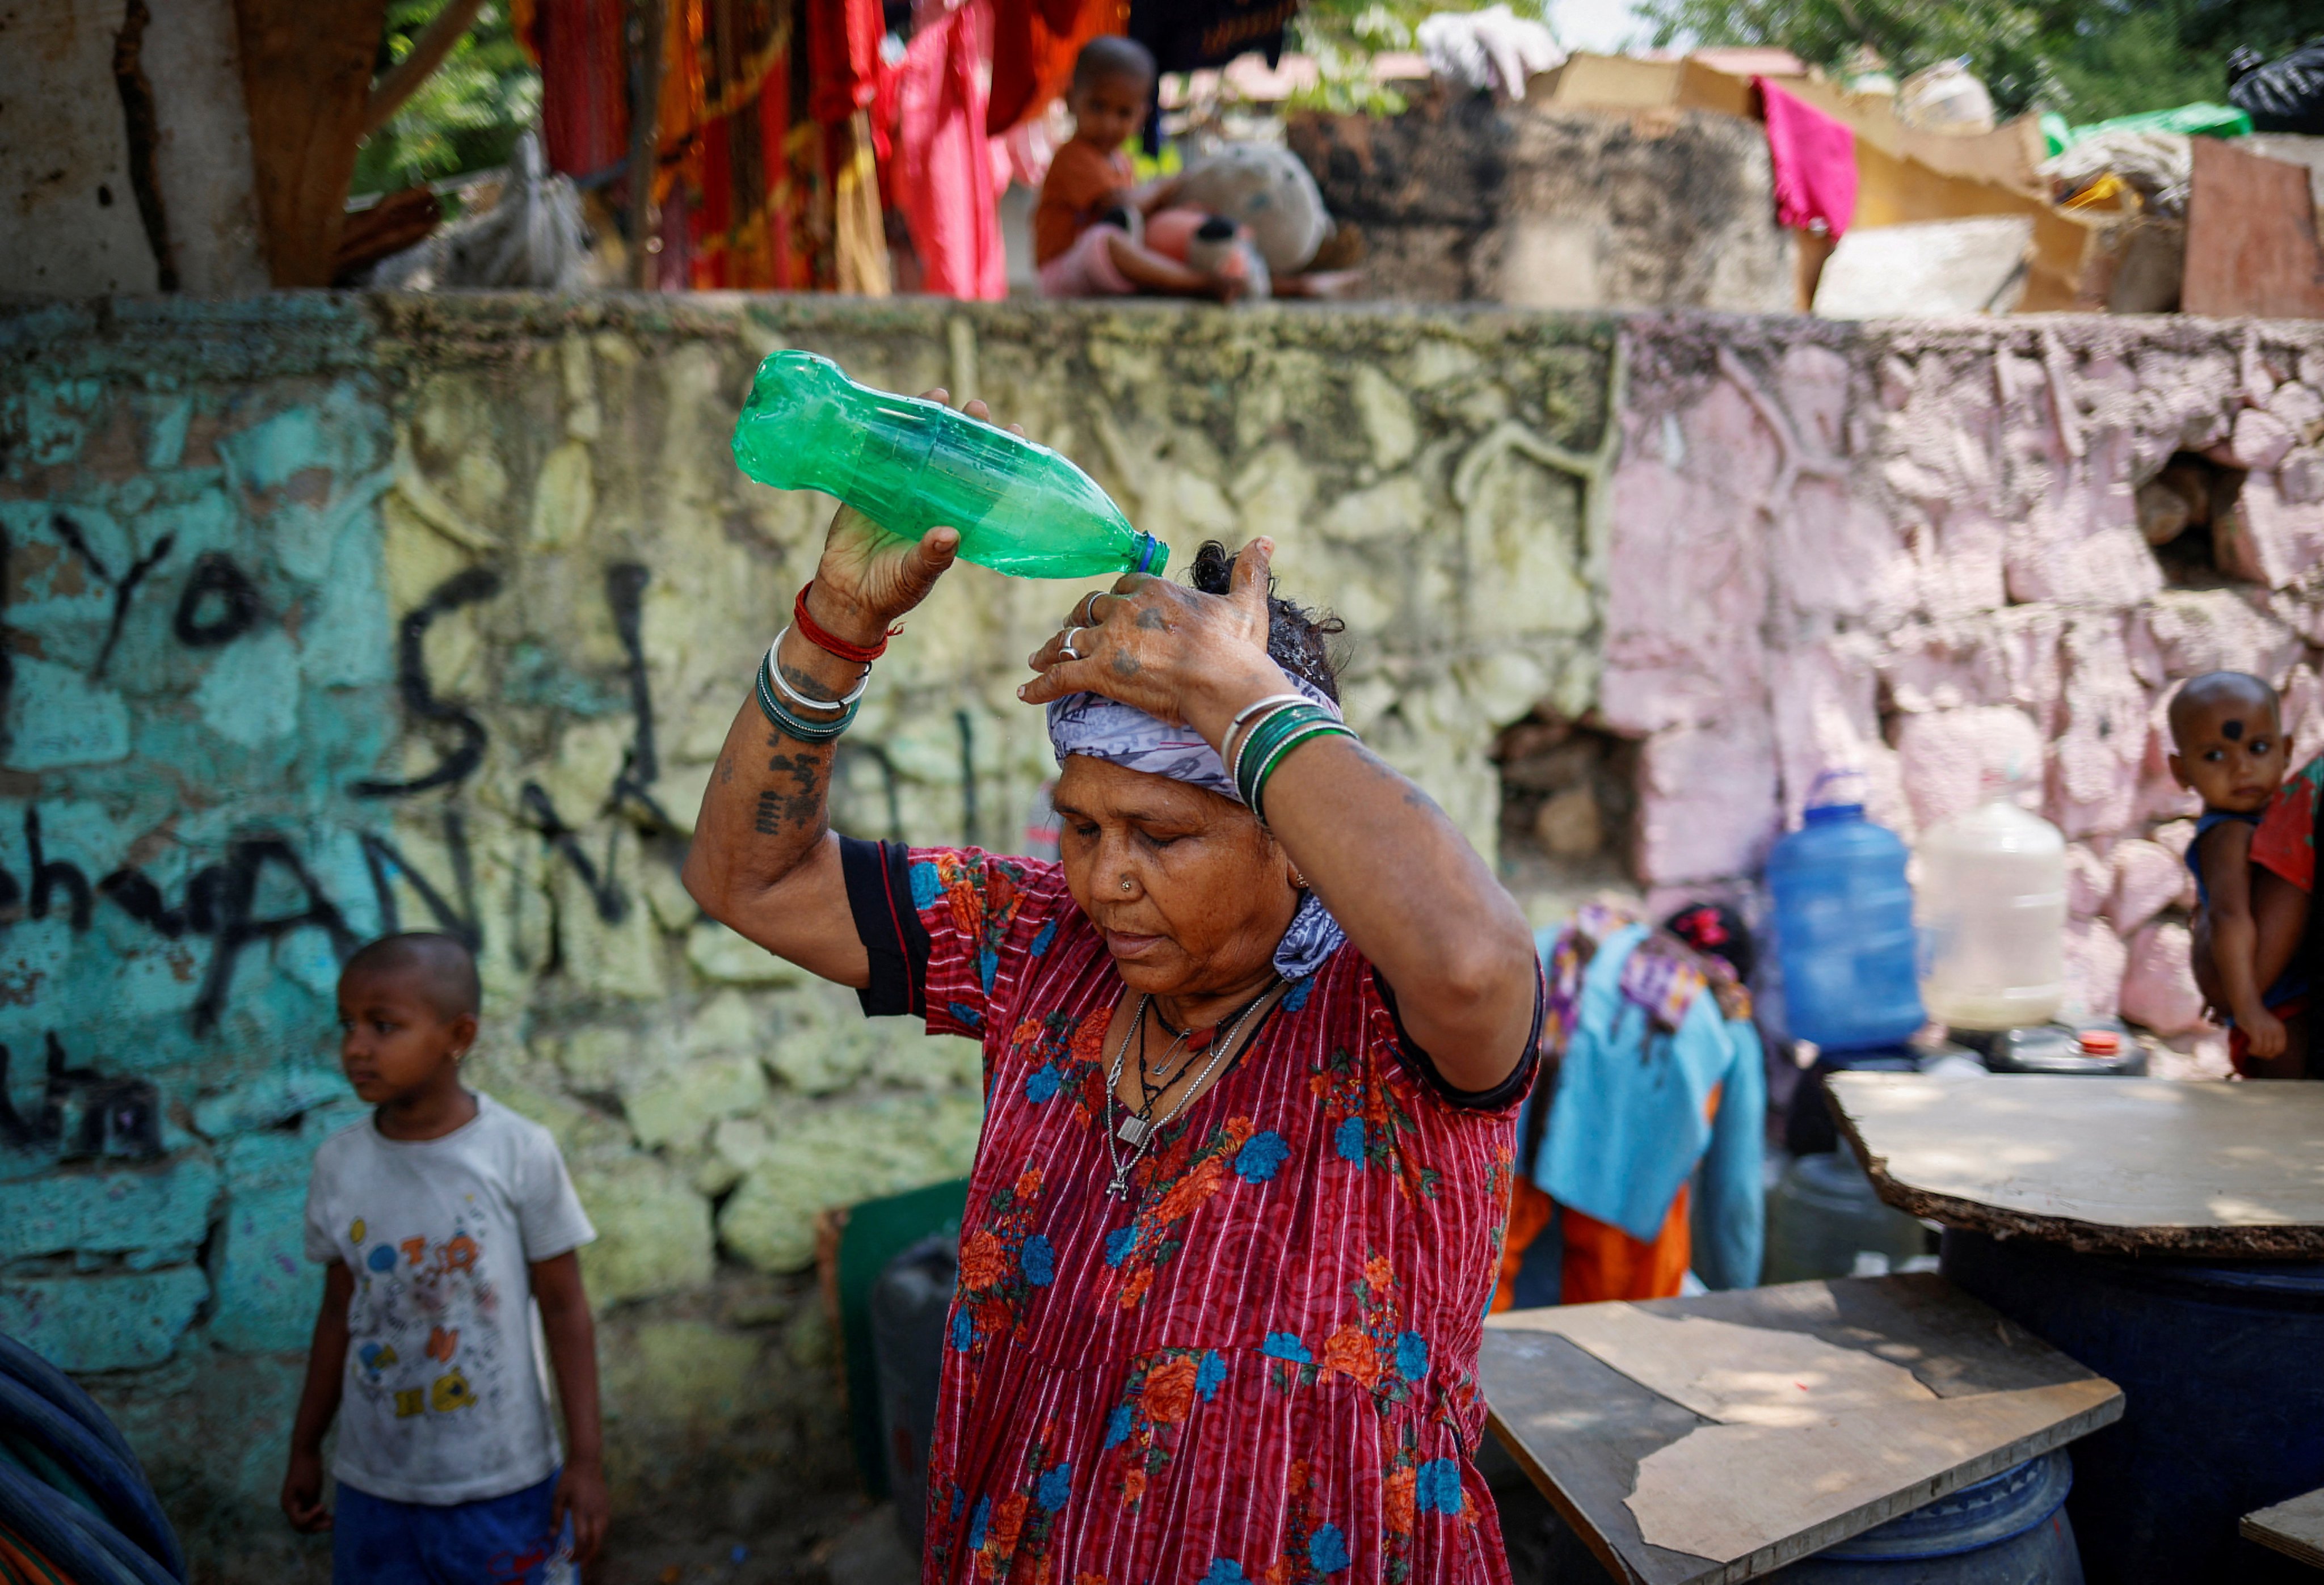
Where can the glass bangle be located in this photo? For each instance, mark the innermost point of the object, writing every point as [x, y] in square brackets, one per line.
[1283, 753]
[1281, 705]
[1270, 731]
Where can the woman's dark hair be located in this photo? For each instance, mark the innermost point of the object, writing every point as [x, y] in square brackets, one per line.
[1294, 635]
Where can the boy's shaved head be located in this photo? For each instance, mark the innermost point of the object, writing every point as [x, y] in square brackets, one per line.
[441, 965]
[1111, 55]
[2202, 695]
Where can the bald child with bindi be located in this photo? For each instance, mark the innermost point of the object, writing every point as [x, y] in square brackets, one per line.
[2228, 749]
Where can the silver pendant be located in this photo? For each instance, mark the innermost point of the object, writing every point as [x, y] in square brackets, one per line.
[1119, 1189]
[1132, 1131]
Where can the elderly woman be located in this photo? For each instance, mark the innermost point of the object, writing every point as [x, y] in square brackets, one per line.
[1251, 1051]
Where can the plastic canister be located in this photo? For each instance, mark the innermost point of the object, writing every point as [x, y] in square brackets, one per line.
[1993, 916]
[1844, 927]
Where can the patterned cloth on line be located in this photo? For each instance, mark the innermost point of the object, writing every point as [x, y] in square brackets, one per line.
[1261, 1366]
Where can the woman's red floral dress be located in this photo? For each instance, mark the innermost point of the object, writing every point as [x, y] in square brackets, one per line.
[1261, 1368]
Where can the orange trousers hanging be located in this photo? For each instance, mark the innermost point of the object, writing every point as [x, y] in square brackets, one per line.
[1602, 1261]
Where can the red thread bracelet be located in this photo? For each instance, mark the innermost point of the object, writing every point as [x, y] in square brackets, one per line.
[813, 632]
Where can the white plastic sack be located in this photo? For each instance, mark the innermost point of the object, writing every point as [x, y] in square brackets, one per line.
[1488, 49]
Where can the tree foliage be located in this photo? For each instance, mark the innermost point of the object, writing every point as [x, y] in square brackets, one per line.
[2086, 58]
[466, 116]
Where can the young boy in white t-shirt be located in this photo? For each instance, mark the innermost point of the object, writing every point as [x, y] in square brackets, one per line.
[442, 1220]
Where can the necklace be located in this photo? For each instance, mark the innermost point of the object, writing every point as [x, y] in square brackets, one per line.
[1138, 1129]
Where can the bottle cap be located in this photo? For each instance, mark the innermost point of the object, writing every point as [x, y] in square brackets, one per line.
[2100, 1042]
[1836, 795]
[1153, 555]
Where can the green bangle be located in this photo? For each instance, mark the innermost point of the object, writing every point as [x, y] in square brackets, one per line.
[1267, 710]
[1324, 728]
[1263, 739]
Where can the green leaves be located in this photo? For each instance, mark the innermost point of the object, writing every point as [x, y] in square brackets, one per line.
[466, 116]
[2088, 58]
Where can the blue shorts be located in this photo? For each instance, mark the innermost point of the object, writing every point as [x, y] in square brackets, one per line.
[498, 1541]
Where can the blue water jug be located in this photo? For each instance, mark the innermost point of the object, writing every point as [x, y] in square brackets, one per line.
[1844, 927]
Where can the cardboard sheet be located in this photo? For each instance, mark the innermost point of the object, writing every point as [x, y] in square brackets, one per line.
[1725, 1491]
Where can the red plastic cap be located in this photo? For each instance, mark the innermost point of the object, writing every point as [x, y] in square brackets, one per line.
[2102, 1043]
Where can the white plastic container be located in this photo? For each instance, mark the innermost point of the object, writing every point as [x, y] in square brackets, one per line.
[1992, 913]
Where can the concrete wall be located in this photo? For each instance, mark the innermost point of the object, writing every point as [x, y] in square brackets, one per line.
[323, 613]
[1465, 200]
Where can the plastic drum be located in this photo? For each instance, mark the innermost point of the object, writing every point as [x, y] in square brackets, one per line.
[2008, 1529]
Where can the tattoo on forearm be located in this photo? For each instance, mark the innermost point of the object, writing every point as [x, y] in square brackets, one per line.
[784, 811]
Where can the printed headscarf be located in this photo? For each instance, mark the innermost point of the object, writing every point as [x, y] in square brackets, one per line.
[1122, 734]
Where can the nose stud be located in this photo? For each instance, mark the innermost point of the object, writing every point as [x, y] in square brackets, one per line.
[1125, 883]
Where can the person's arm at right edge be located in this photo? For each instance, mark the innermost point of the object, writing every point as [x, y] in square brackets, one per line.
[326, 1365]
[2280, 921]
[2226, 858]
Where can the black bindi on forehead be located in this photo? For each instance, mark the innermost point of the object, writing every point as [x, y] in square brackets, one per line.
[2233, 731]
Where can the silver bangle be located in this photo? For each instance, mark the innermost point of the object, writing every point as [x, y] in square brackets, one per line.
[775, 670]
[1258, 714]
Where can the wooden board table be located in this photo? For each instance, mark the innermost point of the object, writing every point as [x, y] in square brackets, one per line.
[2231, 1172]
[1698, 1441]
[2294, 1528]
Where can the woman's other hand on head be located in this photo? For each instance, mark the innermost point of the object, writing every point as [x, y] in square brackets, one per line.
[1173, 652]
[868, 577]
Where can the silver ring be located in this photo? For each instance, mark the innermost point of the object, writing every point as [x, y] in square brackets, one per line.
[1087, 612]
[1067, 650]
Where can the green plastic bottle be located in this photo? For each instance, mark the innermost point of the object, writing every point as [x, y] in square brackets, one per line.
[909, 465]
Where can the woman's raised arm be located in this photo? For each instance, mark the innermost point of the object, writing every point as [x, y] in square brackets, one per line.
[764, 862]
[1411, 893]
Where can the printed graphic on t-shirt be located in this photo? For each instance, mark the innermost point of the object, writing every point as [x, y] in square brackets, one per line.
[423, 1328]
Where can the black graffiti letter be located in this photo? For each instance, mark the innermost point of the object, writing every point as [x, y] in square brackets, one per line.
[215, 575]
[604, 890]
[123, 590]
[386, 862]
[48, 874]
[462, 589]
[625, 582]
[133, 891]
[218, 900]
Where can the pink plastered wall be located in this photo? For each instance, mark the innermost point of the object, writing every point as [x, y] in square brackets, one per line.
[1913, 550]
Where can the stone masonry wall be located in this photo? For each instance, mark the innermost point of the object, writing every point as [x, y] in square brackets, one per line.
[325, 615]
[1915, 551]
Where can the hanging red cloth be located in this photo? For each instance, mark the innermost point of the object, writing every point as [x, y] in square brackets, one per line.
[1034, 46]
[945, 175]
[581, 46]
[842, 56]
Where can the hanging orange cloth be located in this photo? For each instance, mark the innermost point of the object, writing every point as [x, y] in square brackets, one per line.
[1034, 45]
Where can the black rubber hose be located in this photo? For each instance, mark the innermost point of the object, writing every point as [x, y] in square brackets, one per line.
[71, 1536]
[119, 1488]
